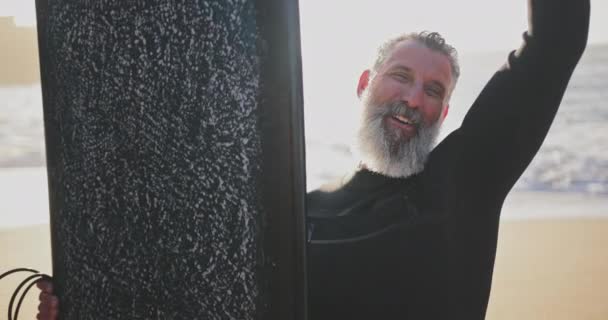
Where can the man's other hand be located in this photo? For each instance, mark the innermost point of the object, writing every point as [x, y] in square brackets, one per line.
[49, 304]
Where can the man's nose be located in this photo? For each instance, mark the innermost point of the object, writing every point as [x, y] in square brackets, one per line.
[414, 96]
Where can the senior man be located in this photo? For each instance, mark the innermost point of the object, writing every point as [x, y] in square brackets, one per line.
[412, 233]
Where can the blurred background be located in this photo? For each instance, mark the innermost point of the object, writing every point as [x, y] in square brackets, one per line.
[552, 258]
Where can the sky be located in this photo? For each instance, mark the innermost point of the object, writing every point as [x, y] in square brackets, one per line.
[370, 19]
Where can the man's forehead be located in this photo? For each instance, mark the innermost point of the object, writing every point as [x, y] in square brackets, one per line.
[415, 56]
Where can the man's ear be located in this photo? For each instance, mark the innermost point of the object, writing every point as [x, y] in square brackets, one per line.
[444, 114]
[363, 82]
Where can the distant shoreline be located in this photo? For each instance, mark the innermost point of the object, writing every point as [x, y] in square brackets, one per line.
[19, 54]
[24, 201]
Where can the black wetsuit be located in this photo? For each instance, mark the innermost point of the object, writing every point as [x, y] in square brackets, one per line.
[423, 247]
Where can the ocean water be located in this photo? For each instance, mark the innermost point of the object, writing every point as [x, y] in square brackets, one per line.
[574, 157]
[21, 127]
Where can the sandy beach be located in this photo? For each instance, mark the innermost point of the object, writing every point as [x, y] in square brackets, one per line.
[545, 269]
[27, 247]
[551, 269]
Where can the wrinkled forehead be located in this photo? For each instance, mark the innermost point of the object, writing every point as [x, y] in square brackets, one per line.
[418, 58]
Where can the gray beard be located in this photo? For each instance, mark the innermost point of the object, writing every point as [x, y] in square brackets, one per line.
[385, 150]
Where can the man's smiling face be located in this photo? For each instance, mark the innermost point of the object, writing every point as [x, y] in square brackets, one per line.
[405, 101]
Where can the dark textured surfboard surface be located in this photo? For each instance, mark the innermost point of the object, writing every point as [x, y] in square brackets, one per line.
[175, 158]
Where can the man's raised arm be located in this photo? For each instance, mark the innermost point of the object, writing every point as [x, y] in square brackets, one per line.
[509, 120]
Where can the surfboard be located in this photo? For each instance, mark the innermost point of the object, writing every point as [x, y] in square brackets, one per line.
[175, 157]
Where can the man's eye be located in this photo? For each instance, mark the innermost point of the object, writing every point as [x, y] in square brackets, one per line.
[402, 77]
[433, 92]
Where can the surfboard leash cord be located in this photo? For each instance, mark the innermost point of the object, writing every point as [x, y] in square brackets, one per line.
[32, 279]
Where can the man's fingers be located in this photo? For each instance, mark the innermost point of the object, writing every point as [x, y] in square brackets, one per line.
[45, 286]
[48, 300]
[46, 316]
[48, 307]
[43, 315]
[47, 297]
[48, 303]
[54, 302]
[42, 296]
[53, 314]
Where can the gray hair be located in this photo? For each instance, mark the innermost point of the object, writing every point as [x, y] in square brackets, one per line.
[432, 40]
[383, 149]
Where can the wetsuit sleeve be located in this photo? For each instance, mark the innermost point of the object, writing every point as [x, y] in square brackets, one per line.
[508, 122]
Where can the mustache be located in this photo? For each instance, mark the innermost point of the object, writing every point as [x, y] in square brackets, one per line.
[402, 109]
[397, 109]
